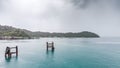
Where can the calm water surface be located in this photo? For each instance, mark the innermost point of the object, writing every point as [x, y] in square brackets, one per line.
[68, 53]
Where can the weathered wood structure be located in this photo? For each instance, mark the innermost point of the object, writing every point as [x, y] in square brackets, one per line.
[50, 45]
[8, 52]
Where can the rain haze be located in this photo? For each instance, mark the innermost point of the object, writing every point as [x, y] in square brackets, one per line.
[99, 16]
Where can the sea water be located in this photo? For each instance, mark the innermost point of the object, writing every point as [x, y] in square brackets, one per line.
[68, 53]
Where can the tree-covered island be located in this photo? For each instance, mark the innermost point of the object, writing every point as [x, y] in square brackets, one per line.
[9, 32]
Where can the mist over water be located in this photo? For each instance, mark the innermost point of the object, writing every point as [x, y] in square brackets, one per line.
[99, 16]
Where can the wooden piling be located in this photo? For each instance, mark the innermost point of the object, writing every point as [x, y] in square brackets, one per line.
[50, 45]
[16, 50]
[47, 45]
[8, 52]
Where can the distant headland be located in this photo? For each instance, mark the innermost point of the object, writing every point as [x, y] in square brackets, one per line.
[9, 32]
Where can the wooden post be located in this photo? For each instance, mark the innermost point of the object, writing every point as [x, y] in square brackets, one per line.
[50, 45]
[47, 45]
[8, 52]
[17, 51]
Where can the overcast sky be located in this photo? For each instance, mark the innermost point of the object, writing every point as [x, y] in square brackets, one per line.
[99, 16]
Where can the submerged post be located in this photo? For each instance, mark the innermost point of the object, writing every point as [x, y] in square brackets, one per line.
[8, 52]
[50, 45]
[17, 51]
[47, 45]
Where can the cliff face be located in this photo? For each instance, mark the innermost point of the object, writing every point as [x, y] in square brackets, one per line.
[11, 32]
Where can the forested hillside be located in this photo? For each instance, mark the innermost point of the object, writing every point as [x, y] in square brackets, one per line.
[12, 32]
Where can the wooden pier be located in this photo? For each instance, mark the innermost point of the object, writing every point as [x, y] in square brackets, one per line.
[8, 52]
[50, 45]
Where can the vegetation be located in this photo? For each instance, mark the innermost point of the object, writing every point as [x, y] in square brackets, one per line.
[8, 31]
[84, 34]
[12, 33]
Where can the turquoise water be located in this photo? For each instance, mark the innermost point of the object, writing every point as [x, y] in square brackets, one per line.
[68, 53]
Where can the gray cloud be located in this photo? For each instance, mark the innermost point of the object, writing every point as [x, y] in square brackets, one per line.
[99, 16]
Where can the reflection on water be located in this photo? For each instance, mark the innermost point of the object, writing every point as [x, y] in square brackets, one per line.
[50, 54]
[11, 62]
[8, 59]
